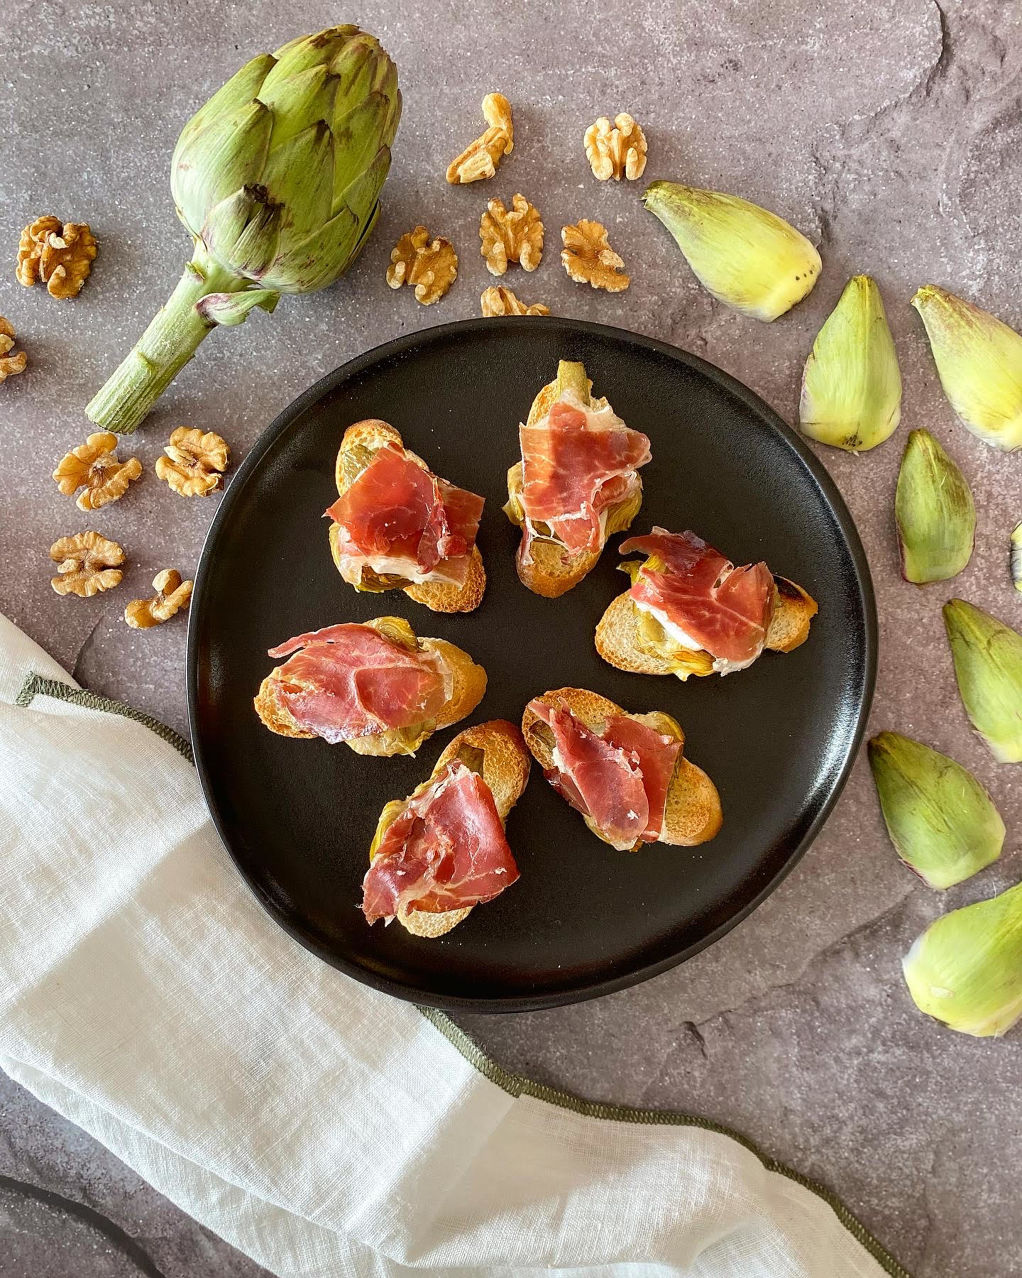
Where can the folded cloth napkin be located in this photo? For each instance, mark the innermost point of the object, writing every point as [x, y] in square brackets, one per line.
[321, 1127]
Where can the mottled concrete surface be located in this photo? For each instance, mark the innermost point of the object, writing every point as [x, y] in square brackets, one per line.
[892, 134]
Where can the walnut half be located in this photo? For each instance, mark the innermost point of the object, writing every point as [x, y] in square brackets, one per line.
[172, 594]
[87, 564]
[588, 258]
[497, 300]
[430, 266]
[60, 254]
[481, 157]
[95, 467]
[616, 151]
[511, 235]
[194, 462]
[9, 364]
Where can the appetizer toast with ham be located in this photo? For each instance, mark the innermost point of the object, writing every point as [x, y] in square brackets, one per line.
[397, 526]
[576, 484]
[624, 772]
[442, 851]
[373, 685]
[690, 611]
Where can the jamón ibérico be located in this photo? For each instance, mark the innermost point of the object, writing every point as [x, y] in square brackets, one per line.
[350, 681]
[724, 609]
[619, 777]
[446, 850]
[399, 516]
[575, 464]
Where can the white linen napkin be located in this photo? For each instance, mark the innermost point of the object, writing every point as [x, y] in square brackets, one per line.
[321, 1127]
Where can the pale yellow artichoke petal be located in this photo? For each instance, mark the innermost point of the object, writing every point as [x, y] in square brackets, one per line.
[851, 386]
[966, 968]
[1016, 557]
[746, 256]
[987, 657]
[979, 361]
[934, 511]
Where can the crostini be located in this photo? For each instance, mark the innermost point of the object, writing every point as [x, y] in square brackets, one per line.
[397, 526]
[576, 484]
[442, 851]
[625, 773]
[373, 685]
[690, 611]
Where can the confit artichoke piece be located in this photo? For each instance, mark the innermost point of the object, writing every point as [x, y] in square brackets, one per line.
[851, 387]
[746, 256]
[277, 178]
[979, 361]
[966, 968]
[942, 822]
[935, 512]
[988, 666]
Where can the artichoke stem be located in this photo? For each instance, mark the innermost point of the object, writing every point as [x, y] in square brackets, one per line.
[162, 351]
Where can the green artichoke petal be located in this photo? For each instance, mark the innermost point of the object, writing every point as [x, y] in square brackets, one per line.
[357, 67]
[243, 232]
[987, 656]
[228, 309]
[298, 176]
[239, 90]
[362, 194]
[317, 260]
[935, 512]
[311, 50]
[299, 102]
[228, 153]
[363, 236]
[966, 968]
[357, 139]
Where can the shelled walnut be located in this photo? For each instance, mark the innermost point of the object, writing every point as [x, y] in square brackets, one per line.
[511, 235]
[430, 266]
[194, 462]
[95, 467]
[588, 258]
[59, 254]
[86, 564]
[616, 151]
[9, 364]
[172, 594]
[497, 300]
[481, 157]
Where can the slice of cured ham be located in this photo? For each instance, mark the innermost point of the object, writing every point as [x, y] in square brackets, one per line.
[447, 850]
[618, 777]
[397, 517]
[350, 681]
[577, 462]
[724, 610]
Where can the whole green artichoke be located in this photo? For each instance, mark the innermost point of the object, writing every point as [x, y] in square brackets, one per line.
[277, 178]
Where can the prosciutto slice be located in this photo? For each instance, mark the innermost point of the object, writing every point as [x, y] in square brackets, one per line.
[725, 610]
[618, 777]
[350, 681]
[397, 517]
[575, 464]
[447, 850]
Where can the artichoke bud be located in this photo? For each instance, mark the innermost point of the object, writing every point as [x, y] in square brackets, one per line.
[935, 513]
[979, 361]
[851, 387]
[1016, 556]
[987, 656]
[746, 256]
[966, 968]
[943, 824]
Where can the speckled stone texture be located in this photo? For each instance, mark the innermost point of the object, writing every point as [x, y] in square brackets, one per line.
[890, 133]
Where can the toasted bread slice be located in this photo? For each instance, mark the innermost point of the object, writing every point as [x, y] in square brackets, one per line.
[468, 686]
[439, 596]
[692, 813]
[553, 569]
[617, 639]
[505, 769]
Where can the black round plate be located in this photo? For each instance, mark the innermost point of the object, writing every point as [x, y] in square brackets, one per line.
[778, 739]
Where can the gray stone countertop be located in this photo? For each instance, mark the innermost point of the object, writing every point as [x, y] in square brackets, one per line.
[892, 135]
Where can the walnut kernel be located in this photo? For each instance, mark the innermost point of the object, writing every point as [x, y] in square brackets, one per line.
[481, 157]
[511, 235]
[60, 254]
[616, 151]
[431, 266]
[9, 364]
[194, 462]
[497, 300]
[87, 564]
[95, 467]
[589, 259]
[172, 594]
